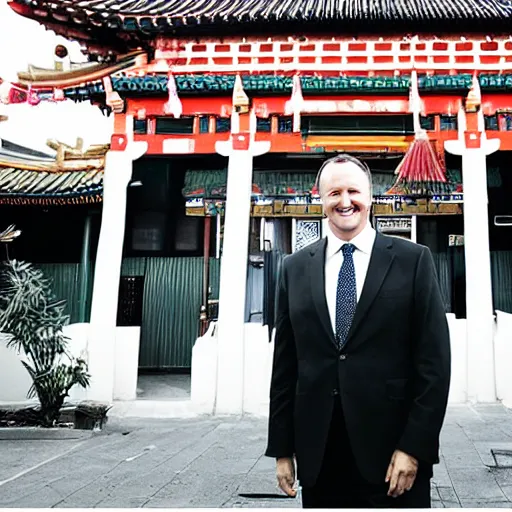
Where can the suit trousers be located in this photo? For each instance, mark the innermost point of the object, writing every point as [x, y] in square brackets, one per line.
[341, 485]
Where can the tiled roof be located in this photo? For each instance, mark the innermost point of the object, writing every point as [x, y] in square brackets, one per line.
[19, 186]
[195, 16]
[28, 177]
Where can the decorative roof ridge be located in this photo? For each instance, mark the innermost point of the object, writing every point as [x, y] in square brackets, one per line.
[88, 72]
[68, 160]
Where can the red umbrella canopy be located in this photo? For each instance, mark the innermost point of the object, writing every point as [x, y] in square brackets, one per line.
[420, 172]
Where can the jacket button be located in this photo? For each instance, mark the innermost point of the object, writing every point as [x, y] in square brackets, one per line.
[335, 392]
[343, 357]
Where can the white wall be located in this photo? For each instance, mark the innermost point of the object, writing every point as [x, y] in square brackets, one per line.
[258, 353]
[458, 343]
[15, 381]
[503, 357]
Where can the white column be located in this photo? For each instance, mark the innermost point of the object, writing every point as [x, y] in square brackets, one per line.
[101, 338]
[414, 229]
[233, 274]
[479, 308]
[325, 227]
[480, 344]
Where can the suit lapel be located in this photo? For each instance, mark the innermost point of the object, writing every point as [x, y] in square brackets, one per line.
[317, 276]
[380, 263]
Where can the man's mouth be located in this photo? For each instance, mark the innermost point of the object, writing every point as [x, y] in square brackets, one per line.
[346, 212]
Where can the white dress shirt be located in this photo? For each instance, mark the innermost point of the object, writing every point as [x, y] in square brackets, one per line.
[334, 259]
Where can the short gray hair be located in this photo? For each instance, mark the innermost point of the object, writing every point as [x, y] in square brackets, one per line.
[342, 159]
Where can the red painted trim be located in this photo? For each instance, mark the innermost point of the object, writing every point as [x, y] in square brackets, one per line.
[118, 142]
[292, 142]
[473, 139]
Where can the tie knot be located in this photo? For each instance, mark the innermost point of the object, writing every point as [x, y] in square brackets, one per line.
[348, 249]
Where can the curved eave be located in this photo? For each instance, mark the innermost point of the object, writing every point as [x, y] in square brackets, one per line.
[146, 18]
[38, 187]
[44, 78]
[62, 200]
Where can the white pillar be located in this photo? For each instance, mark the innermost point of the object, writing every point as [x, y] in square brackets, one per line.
[414, 229]
[474, 147]
[233, 274]
[107, 272]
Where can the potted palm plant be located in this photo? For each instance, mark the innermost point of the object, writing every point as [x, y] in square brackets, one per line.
[32, 321]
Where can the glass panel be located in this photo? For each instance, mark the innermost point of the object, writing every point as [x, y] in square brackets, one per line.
[263, 125]
[222, 125]
[203, 124]
[170, 125]
[448, 123]
[285, 124]
[427, 122]
[140, 126]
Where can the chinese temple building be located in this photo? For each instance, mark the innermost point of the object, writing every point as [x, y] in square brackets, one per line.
[223, 113]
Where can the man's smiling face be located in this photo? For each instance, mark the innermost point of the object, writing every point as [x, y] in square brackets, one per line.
[345, 192]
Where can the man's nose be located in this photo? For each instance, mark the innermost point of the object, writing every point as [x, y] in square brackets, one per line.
[345, 201]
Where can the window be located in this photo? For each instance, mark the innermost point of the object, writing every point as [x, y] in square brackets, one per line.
[491, 122]
[172, 126]
[285, 124]
[222, 125]
[449, 123]
[148, 233]
[263, 125]
[188, 234]
[365, 124]
[204, 124]
[140, 126]
[427, 122]
[507, 122]
[129, 309]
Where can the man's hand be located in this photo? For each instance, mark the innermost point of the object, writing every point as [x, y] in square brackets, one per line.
[401, 473]
[286, 476]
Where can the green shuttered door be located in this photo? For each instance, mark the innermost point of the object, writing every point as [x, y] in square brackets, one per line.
[171, 306]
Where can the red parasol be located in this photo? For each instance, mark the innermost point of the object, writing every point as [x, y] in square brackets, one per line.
[420, 172]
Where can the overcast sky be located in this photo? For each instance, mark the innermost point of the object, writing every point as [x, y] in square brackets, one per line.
[24, 42]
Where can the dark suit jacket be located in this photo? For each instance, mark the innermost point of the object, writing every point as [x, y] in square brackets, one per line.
[392, 376]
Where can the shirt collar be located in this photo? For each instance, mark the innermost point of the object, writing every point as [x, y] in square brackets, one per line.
[363, 241]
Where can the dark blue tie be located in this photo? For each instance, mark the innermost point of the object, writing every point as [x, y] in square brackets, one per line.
[346, 295]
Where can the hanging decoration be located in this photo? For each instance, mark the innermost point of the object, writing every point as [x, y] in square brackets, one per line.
[32, 97]
[58, 95]
[11, 94]
[420, 173]
[295, 104]
[173, 105]
[241, 101]
[113, 100]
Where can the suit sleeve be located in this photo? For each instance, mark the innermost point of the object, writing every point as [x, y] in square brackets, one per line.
[432, 364]
[281, 441]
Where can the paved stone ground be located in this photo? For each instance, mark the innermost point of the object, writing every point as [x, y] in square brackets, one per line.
[218, 462]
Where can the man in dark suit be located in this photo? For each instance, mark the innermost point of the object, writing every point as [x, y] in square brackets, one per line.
[361, 369]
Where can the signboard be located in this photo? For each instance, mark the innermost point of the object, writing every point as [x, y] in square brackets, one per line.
[394, 224]
[455, 240]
